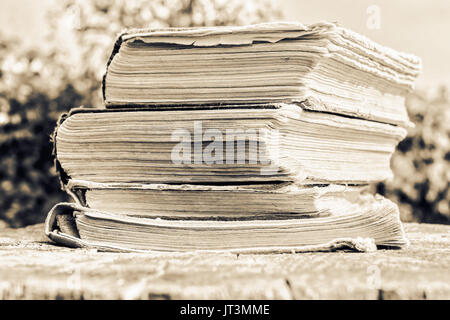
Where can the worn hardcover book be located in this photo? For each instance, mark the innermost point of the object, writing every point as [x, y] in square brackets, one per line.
[322, 67]
[361, 223]
[271, 143]
[250, 201]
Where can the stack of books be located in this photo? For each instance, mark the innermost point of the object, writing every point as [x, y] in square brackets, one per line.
[260, 138]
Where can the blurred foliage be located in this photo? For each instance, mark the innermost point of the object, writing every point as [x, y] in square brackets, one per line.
[33, 92]
[421, 164]
[37, 85]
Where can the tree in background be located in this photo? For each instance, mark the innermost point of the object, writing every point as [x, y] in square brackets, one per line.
[37, 85]
[421, 164]
[33, 92]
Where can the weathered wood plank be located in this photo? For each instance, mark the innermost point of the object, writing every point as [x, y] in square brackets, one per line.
[31, 267]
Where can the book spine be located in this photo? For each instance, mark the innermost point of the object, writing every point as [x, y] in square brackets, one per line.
[63, 177]
[60, 225]
[77, 194]
[116, 49]
[61, 228]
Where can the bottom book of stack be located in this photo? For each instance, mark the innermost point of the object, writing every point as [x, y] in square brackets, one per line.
[238, 219]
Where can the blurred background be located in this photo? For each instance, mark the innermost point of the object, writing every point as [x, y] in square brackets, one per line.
[53, 54]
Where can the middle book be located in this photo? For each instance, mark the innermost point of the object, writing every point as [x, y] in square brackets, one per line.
[223, 145]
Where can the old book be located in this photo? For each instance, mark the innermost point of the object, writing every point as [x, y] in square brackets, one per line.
[360, 223]
[250, 201]
[322, 66]
[270, 143]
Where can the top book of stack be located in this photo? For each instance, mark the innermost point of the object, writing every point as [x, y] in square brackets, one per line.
[321, 67]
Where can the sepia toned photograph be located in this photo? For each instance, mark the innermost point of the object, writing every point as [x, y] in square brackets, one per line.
[226, 154]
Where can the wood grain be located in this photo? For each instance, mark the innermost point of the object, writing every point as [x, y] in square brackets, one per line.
[33, 268]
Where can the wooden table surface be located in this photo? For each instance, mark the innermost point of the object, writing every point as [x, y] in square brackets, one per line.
[31, 267]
